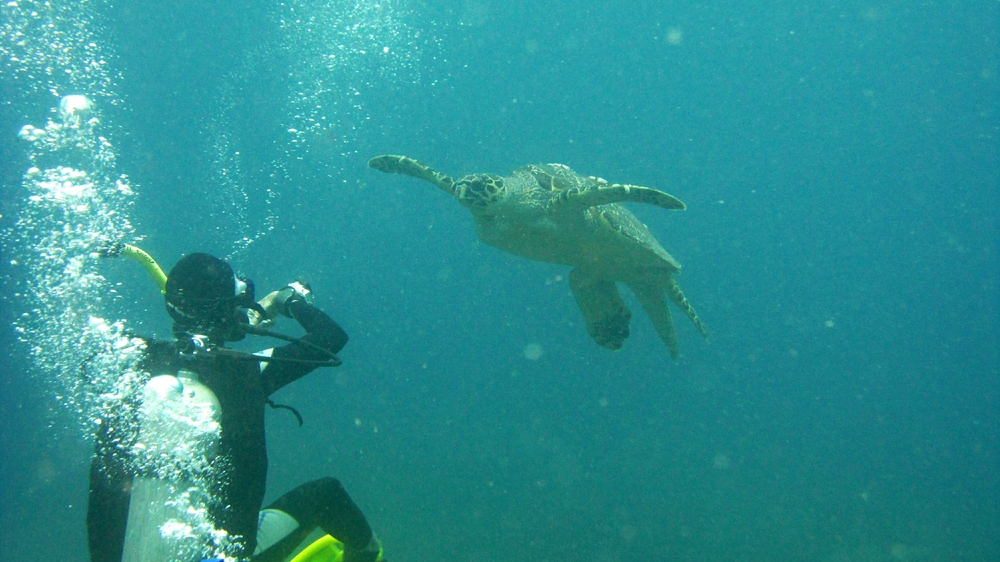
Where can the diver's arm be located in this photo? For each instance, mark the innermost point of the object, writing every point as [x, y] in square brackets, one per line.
[321, 331]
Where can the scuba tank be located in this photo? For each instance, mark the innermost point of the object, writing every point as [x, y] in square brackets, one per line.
[179, 435]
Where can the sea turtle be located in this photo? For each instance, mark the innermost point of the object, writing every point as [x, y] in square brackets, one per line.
[550, 213]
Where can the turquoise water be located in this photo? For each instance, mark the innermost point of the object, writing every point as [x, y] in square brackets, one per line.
[839, 163]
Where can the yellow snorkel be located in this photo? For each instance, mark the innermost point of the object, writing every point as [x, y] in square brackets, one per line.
[139, 255]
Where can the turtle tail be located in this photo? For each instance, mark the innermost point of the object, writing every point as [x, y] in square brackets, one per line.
[674, 290]
[393, 164]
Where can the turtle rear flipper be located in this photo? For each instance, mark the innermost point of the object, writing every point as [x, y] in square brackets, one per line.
[654, 302]
[393, 164]
[603, 309]
[602, 194]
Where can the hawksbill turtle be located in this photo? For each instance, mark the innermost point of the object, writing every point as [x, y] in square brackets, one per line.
[550, 213]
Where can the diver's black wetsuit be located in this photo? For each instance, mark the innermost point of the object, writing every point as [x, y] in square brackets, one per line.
[242, 389]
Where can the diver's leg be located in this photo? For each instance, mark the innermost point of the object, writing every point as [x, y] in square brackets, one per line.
[108, 503]
[107, 512]
[321, 503]
[278, 535]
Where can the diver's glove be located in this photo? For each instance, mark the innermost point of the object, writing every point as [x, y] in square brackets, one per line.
[277, 302]
[298, 290]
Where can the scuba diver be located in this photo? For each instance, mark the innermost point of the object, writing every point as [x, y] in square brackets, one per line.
[211, 306]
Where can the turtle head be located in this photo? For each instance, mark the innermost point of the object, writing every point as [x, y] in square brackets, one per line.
[478, 191]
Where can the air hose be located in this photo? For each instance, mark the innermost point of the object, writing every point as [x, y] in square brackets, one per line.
[139, 255]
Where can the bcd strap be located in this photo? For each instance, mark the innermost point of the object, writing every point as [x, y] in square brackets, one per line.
[298, 416]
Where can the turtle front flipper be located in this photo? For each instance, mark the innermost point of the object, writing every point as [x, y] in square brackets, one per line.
[654, 302]
[392, 164]
[603, 309]
[602, 194]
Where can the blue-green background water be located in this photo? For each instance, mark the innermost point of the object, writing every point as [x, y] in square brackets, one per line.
[840, 165]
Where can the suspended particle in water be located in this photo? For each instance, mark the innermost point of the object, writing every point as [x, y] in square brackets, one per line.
[533, 352]
[675, 36]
